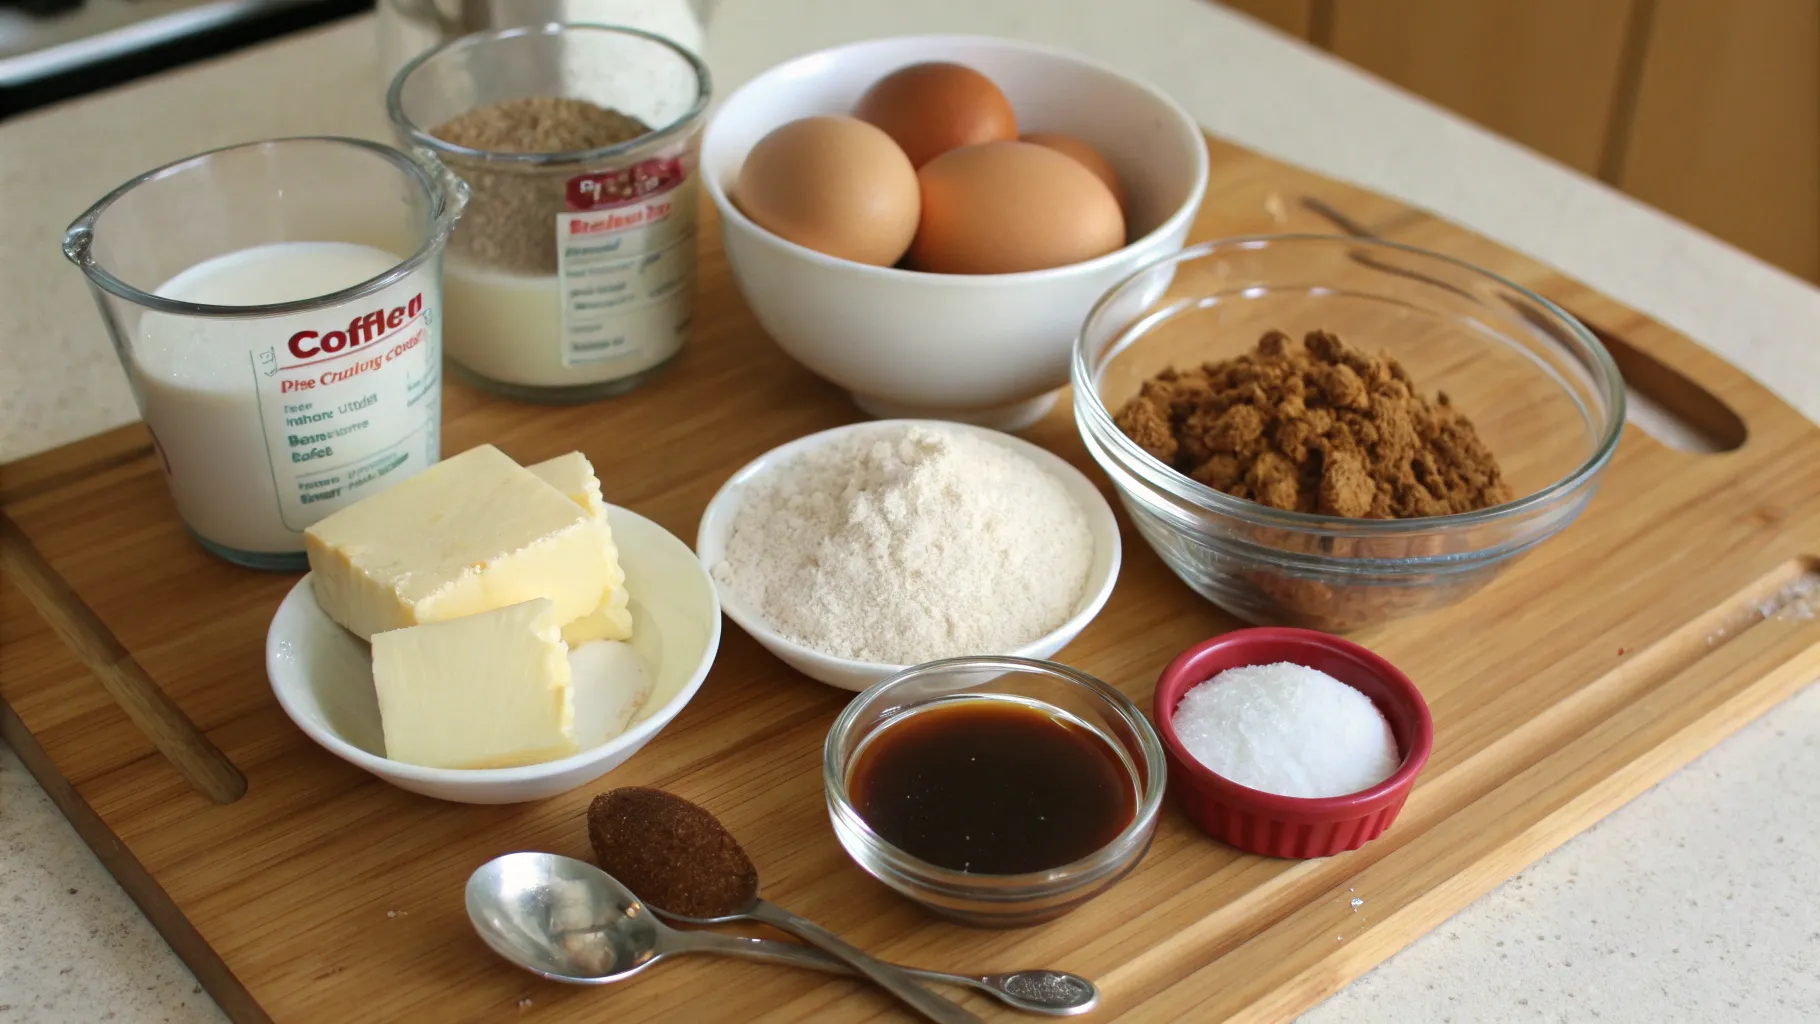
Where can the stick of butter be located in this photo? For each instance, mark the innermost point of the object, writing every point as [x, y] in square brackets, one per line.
[611, 621]
[573, 475]
[470, 534]
[490, 690]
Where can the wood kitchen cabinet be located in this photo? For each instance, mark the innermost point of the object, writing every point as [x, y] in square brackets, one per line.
[1708, 109]
[1726, 127]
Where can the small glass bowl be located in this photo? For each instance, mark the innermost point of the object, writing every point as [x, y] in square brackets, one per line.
[1543, 393]
[996, 901]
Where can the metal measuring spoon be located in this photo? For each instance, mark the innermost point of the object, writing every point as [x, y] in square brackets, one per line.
[688, 867]
[567, 920]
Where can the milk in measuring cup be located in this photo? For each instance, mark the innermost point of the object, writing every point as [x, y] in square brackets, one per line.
[266, 425]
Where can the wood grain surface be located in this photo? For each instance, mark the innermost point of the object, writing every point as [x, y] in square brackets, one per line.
[1634, 641]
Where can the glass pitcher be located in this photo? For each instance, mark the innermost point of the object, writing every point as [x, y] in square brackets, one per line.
[408, 28]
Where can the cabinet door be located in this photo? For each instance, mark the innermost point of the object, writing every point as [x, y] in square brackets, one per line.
[1542, 72]
[1726, 128]
[1292, 16]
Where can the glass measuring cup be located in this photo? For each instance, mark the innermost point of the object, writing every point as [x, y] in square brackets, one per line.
[277, 308]
[573, 276]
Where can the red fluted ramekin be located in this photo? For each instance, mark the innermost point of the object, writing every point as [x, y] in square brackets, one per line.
[1284, 826]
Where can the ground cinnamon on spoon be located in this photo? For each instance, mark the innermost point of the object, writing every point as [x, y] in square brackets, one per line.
[673, 854]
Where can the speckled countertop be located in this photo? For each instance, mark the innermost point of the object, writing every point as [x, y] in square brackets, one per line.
[1695, 902]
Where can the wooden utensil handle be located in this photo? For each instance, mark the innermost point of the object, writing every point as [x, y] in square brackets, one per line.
[145, 703]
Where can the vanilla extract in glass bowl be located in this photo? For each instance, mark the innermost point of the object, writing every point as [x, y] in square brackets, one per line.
[996, 791]
[992, 785]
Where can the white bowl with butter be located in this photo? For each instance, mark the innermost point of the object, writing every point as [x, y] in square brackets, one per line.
[323, 677]
[853, 674]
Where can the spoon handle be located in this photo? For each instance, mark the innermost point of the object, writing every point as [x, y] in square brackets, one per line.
[890, 978]
[792, 954]
[1051, 993]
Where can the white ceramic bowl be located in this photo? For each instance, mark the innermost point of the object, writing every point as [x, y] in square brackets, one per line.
[987, 349]
[847, 673]
[323, 676]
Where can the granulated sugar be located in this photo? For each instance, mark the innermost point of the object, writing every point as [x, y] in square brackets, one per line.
[904, 544]
[1287, 729]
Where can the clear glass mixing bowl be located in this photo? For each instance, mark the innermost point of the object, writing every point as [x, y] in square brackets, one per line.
[1544, 395]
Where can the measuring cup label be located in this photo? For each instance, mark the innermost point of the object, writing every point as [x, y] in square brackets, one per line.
[267, 425]
[350, 399]
[337, 402]
[626, 263]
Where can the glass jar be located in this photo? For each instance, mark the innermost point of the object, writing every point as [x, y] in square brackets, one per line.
[572, 276]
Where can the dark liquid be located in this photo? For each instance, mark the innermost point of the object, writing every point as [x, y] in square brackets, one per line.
[992, 787]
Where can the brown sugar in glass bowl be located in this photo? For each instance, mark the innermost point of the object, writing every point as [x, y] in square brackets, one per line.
[1540, 392]
[1316, 426]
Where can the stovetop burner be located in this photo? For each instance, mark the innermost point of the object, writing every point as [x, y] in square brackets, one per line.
[52, 49]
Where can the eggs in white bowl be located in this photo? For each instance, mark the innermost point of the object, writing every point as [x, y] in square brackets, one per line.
[990, 349]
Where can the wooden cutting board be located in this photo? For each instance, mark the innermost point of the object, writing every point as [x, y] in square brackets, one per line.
[300, 889]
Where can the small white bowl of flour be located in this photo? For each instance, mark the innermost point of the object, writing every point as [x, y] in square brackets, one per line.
[857, 551]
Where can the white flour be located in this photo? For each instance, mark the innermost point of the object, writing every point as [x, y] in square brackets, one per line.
[901, 545]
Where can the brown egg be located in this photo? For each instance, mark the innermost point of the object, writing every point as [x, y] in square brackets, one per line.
[933, 108]
[833, 184]
[1006, 207]
[1089, 157]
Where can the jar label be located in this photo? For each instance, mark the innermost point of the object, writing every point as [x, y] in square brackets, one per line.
[607, 189]
[626, 265]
